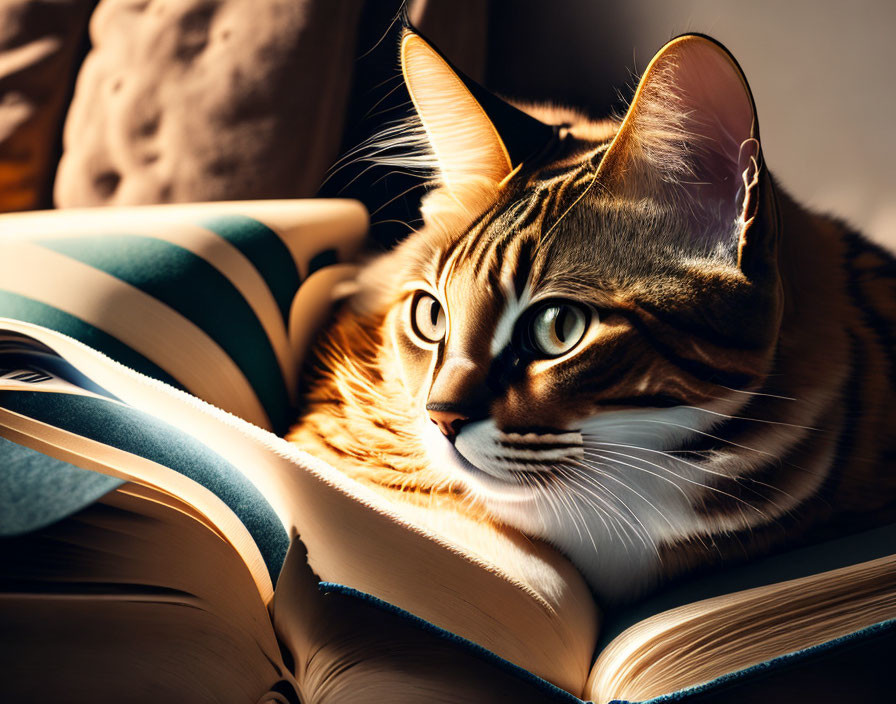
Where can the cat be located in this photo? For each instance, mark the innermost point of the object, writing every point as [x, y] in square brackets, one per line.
[622, 337]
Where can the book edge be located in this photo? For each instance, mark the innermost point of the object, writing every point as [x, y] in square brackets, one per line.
[768, 666]
[555, 693]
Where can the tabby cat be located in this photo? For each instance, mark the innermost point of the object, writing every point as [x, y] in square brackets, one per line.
[622, 337]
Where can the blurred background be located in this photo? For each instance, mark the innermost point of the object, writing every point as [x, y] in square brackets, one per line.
[154, 101]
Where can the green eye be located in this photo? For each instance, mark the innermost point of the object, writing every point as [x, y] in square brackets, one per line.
[557, 328]
[428, 318]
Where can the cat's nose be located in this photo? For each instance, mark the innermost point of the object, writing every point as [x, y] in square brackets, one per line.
[449, 421]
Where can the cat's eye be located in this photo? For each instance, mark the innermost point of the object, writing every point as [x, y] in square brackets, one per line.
[556, 328]
[428, 318]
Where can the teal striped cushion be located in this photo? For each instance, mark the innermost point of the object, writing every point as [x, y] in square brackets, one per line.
[196, 296]
[139, 434]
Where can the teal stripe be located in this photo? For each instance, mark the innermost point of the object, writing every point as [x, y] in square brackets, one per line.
[141, 434]
[325, 258]
[13, 305]
[267, 252]
[198, 291]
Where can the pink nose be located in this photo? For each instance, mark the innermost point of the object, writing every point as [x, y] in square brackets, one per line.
[449, 422]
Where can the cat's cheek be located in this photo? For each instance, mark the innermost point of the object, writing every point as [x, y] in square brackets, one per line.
[414, 364]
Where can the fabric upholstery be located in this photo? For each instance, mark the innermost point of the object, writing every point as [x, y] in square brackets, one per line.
[199, 296]
[199, 101]
[40, 48]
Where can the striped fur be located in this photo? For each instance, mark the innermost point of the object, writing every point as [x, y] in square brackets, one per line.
[732, 393]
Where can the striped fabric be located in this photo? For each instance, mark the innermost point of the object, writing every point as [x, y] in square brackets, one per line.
[197, 296]
[139, 435]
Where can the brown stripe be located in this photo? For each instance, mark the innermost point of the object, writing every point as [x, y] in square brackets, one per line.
[880, 325]
[699, 370]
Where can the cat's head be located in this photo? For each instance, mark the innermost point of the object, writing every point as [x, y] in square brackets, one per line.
[580, 289]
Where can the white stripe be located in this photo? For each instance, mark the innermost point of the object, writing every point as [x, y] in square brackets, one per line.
[513, 307]
[230, 262]
[306, 226]
[141, 322]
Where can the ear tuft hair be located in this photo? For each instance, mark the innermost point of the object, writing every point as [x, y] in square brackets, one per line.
[401, 144]
[463, 139]
[690, 139]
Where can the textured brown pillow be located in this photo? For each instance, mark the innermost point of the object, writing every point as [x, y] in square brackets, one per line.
[39, 47]
[197, 100]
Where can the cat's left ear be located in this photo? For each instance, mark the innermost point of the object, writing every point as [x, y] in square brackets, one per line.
[691, 140]
[472, 132]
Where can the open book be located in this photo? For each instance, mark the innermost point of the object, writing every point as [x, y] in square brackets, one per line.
[159, 548]
[186, 580]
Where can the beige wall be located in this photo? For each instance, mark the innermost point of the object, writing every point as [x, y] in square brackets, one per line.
[822, 74]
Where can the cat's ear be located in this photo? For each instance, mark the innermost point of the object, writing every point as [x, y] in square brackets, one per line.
[691, 139]
[472, 132]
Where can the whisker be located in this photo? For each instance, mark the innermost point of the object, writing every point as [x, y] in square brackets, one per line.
[395, 172]
[388, 93]
[717, 490]
[658, 476]
[594, 443]
[703, 433]
[757, 393]
[574, 505]
[546, 492]
[379, 41]
[674, 474]
[566, 504]
[664, 453]
[620, 522]
[393, 221]
[400, 195]
[627, 508]
[753, 420]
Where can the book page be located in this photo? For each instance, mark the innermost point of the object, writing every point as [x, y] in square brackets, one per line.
[706, 638]
[348, 650]
[133, 598]
[98, 421]
[353, 536]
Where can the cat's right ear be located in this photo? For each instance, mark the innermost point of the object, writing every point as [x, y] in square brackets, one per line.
[472, 133]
